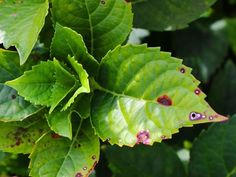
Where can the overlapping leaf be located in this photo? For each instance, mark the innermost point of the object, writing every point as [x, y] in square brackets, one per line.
[46, 84]
[157, 161]
[83, 77]
[20, 24]
[12, 106]
[103, 24]
[213, 153]
[60, 122]
[145, 96]
[58, 156]
[20, 137]
[68, 42]
[168, 15]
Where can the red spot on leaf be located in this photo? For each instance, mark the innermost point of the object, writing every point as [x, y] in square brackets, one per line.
[143, 137]
[79, 175]
[164, 100]
[55, 136]
[197, 91]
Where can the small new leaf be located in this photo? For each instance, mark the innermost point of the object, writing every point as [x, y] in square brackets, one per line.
[72, 44]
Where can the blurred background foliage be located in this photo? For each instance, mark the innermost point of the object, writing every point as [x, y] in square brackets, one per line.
[208, 45]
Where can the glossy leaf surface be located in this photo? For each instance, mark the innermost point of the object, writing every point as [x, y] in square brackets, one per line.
[20, 24]
[103, 24]
[145, 96]
[58, 156]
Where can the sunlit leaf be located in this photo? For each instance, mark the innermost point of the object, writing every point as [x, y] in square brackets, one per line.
[145, 96]
[20, 24]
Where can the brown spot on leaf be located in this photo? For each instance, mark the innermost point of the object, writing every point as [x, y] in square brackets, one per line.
[13, 97]
[164, 100]
[55, 136]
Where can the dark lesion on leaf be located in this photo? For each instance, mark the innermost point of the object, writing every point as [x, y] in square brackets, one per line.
[164, 100]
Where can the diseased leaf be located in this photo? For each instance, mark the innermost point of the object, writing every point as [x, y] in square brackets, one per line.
[160, 15]
[60, 122]
[144, 96]
[222, 90]
[12, 106]
[83, 77]
[204, 48]
[72, 44]
[20, 137]
[58, 156]
[157, 161]
[20, 24]
[103, 24]
[46, 84]
[213, 153]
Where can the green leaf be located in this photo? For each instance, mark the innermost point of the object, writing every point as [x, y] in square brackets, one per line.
[157, 161]
[60, 122]
[83, 105]
[222, 90]
[64, 84]
[58, 156]
[20, 24]
[213, 153]
[103, 24]
[20, 137]
[145, 96]
[46, 84]
[160, 15]
[83, 77]
[231, 27]
[72, 44]
[204, 48]
[13, 107]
